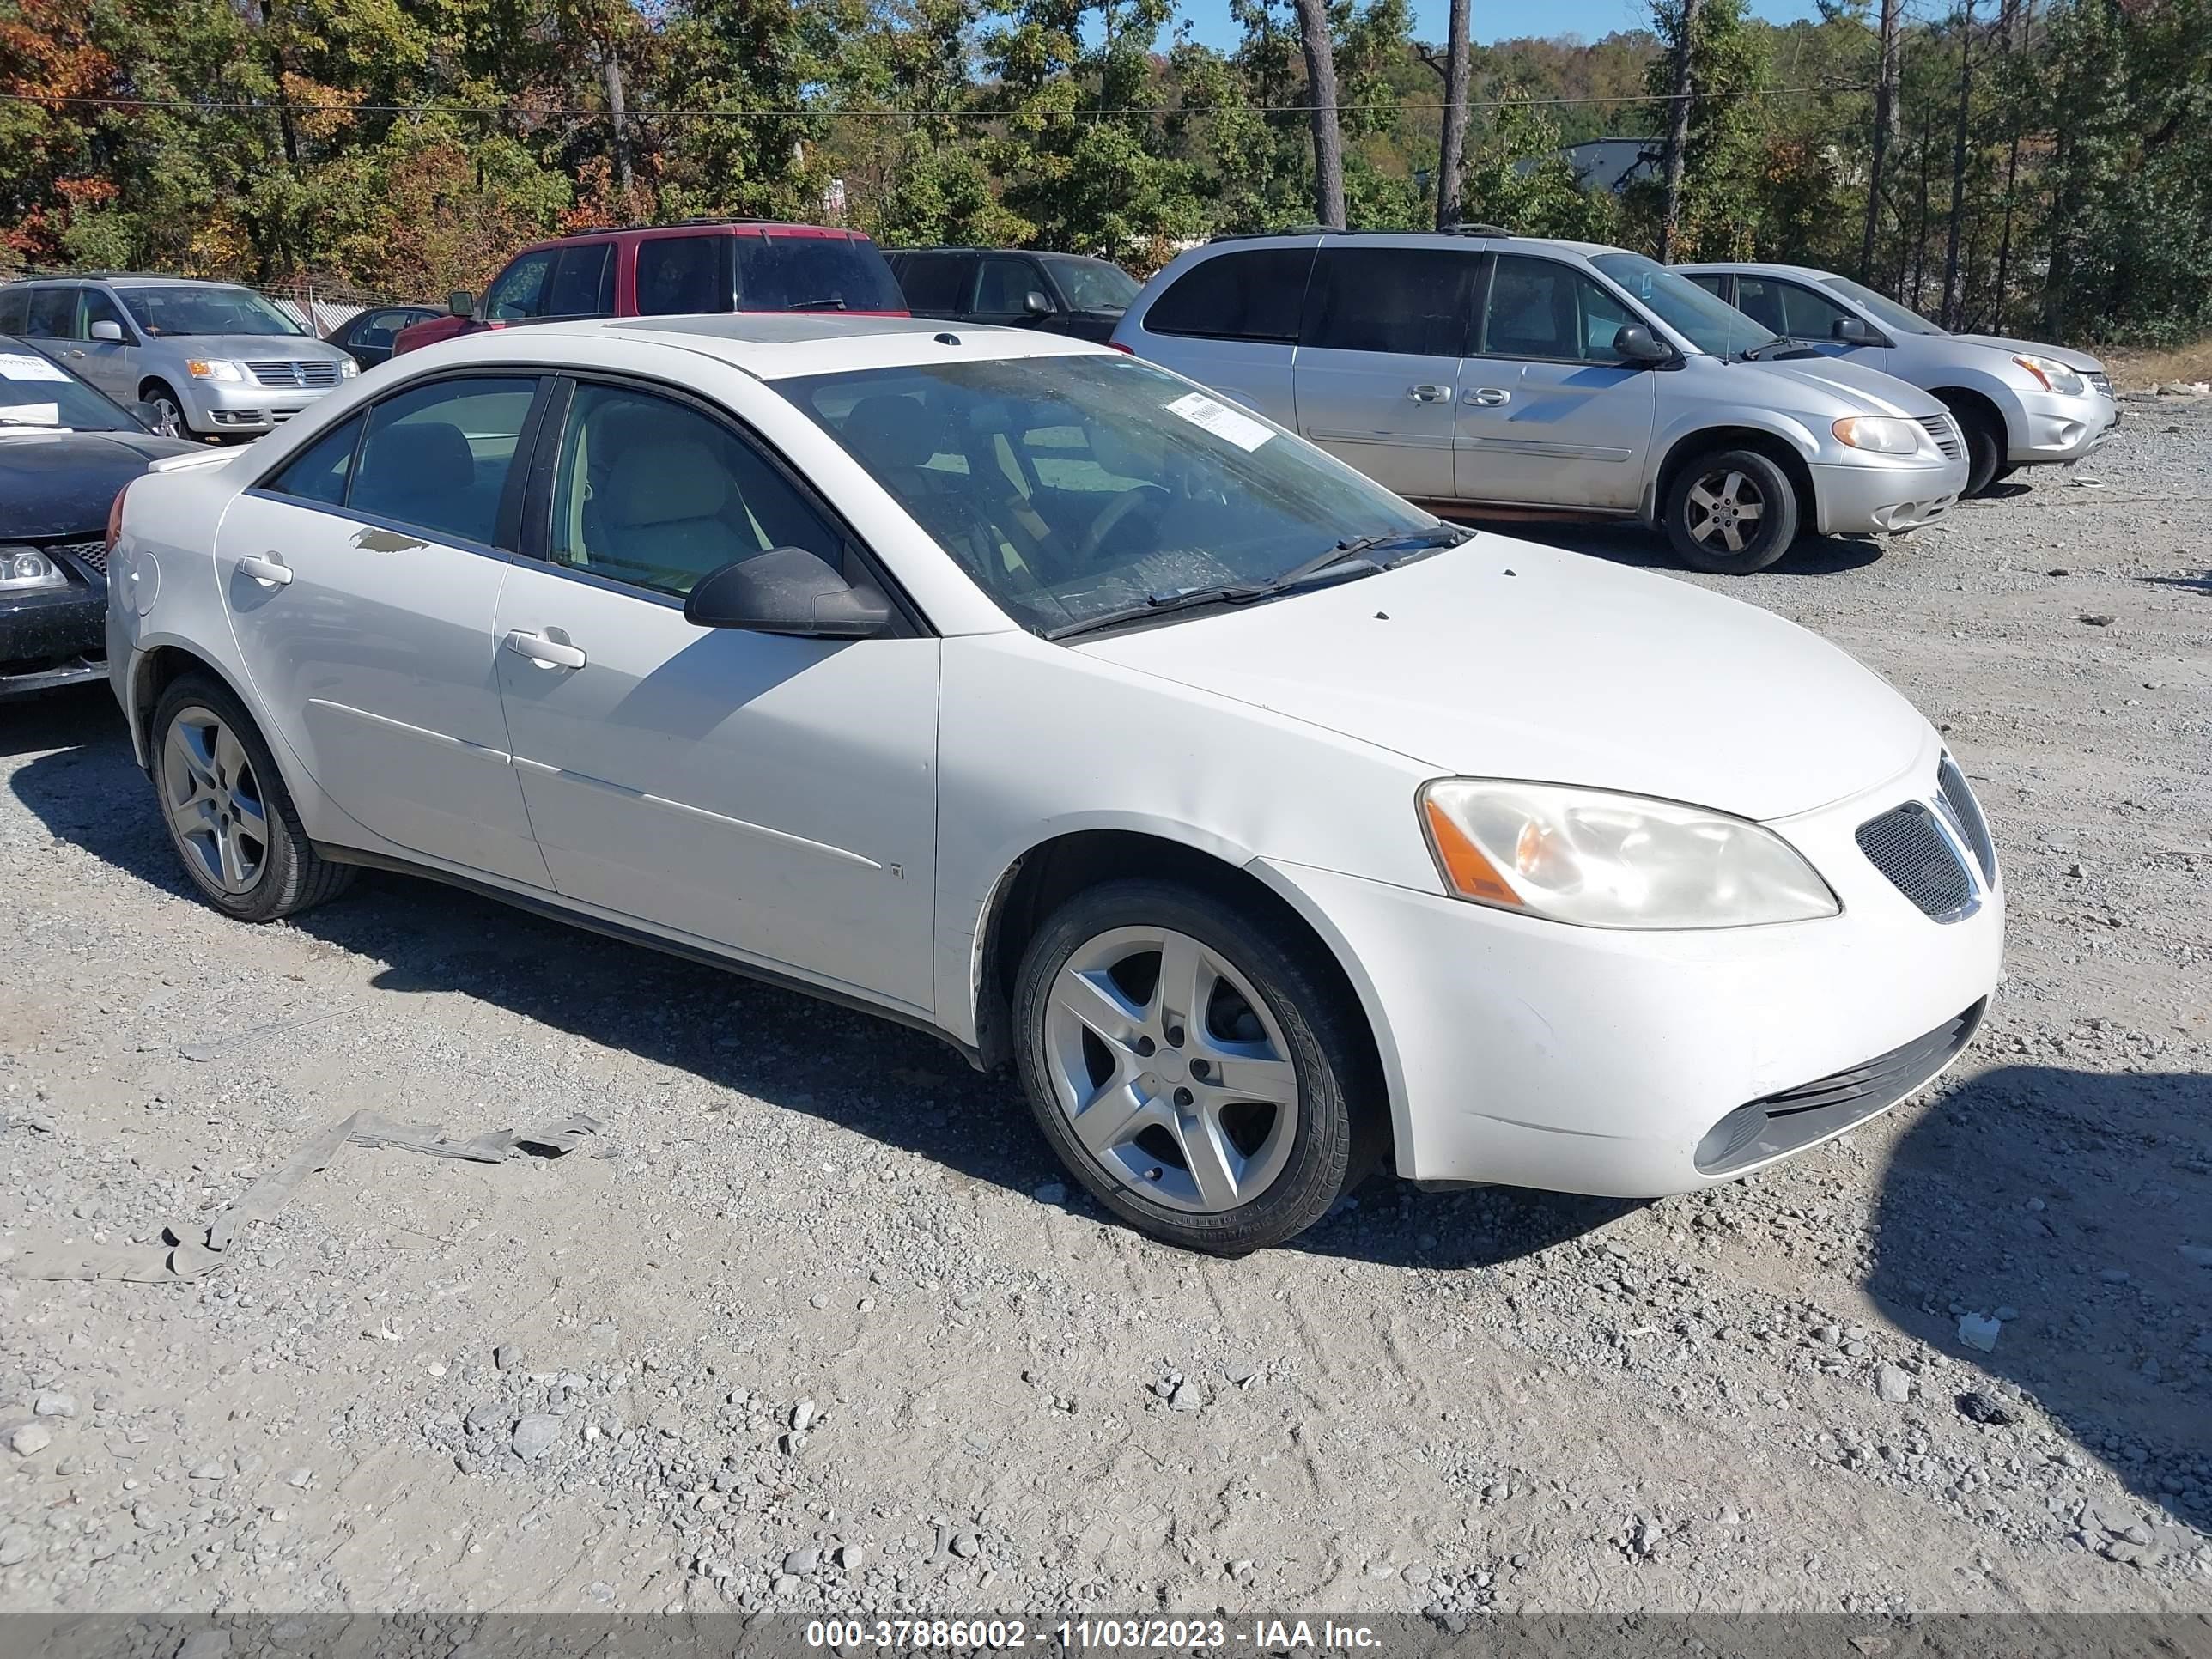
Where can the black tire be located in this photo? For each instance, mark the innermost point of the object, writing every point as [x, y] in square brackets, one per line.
[2002, 473]
[159, 392]
[1341, 1122]
[1775, 526]
[291, 876]
[1986, 449]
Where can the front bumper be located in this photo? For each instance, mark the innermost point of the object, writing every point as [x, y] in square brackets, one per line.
[2051, 430]
[1532, 1053]
[1883, 501]
[228, 407]
[55, 637]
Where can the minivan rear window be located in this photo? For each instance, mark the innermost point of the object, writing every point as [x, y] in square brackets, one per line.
[1255, 294]
[814, 273]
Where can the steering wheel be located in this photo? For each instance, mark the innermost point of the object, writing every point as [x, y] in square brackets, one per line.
[1110, 516]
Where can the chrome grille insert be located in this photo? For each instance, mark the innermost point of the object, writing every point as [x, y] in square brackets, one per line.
[1945, 432]
[1908, 845]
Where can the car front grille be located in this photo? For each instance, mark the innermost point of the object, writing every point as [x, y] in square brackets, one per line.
[1907, 845]
[1964, 812]
[2099, 380]
[91, 554]
[1944, 431]
[298, 374]
[1784, 1122]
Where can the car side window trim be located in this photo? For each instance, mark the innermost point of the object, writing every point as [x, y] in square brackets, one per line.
[545, 430]
[508, 524]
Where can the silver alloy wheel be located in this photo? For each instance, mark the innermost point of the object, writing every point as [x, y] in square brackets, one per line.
[169, 419]
[214, 801]
[1723, 504]
[1171, 1071]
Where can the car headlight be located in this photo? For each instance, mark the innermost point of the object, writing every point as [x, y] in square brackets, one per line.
[24, 569]
[1599, 860]
[2052, 376]
[213, 368]
[348, 369]
[1885, 434]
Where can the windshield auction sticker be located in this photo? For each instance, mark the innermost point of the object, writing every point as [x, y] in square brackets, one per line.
[23, 366]
[1222, 420]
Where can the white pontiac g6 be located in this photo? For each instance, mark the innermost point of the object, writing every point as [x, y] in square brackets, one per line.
[1027, 693]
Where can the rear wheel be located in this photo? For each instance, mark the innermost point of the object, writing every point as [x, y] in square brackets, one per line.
[227, 812]
[1731, 512]
[1194, 1068]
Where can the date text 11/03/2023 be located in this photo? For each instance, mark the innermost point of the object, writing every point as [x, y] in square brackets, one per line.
[1162, 1635]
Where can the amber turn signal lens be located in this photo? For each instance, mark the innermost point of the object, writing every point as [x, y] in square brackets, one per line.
[1474, 876]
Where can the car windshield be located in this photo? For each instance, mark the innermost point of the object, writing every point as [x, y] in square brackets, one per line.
[782, 272]
[1705, 319]
[1095, 285]
[1884, 310]
[1070, 487]
[37, 391]
[180, 310]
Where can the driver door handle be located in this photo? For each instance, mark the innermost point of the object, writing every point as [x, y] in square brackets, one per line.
[1489, 396]
[551, 653]
[267, 568]
[1428, 394]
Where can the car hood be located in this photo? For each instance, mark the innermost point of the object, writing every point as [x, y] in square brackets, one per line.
[252, 347]
[1864, 391]
[57, 484]
[1503, 658]
[2078, 360]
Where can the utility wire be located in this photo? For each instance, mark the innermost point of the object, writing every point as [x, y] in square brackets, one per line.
[210, 106]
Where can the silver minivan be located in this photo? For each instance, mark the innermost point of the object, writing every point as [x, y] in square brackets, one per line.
[212, 359]
[2021, 402]
[1477, 370]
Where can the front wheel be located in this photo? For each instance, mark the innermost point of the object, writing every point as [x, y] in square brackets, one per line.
[1194, 1068]
[1984, 450]
[1731, 512]
[168, 411]
[227, 812]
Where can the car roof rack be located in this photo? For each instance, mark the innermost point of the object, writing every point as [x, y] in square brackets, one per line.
[1332, 230]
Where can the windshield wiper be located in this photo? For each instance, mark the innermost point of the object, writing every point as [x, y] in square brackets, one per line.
[819, 305]
[1419, 541]
[1780, 344]
[1337, 563]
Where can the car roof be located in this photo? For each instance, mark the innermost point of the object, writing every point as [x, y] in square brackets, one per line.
[1025, 253]
[1479, 237]
[1757, 267]
[775, 345]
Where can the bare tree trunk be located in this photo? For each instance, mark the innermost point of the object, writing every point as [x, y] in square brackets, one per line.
[1885, 129]
[1951, 294]
[2018, 17]
[1678, 131]
[1920, 228]
[611, 66]
[1320, 93]
[1451, 153]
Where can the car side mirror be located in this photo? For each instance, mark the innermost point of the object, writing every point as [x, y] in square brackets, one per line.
[1853, 331]
[1635, 344]
[1037, 303]
[145, 414]
[788, 590]
[461, 303]
[111, 332]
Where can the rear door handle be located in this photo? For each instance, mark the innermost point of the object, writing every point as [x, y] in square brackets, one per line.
[552, 653]
[267, 568]
[1489, 396]
[1428, 394]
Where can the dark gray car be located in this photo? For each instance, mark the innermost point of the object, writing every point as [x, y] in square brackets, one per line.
[1059, 293]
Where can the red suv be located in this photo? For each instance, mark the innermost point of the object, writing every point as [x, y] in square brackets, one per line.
[732, 265]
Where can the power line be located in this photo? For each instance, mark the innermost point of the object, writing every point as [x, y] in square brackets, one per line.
[213, 106]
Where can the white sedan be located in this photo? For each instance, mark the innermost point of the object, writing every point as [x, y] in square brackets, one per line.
[1027, 693]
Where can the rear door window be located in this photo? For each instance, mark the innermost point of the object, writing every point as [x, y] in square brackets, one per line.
[935, 281]
[1413, 301]
[677, 275]
[437, 456]
[519, 290]
[53, 314]
[15, 302]
[582, 283]
[1253, 295]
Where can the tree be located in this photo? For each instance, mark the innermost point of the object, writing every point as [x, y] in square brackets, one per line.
[1449, 159]
[1682, 16]
[1885, 128]
[1319, 43]
[1950, 296]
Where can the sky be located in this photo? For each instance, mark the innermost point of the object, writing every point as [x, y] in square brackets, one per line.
[1591, 19]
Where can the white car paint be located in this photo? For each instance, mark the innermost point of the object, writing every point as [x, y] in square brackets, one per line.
[844, 816]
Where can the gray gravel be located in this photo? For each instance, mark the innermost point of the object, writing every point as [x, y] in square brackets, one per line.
[828, 1331]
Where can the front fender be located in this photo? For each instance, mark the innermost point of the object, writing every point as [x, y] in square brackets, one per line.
[1700, 426]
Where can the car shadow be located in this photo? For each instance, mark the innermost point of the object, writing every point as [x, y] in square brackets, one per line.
[899, 1086]
[2063, 1199]
[1644, 549]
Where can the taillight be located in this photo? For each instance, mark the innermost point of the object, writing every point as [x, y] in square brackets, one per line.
[1118, 346]
[115, 516]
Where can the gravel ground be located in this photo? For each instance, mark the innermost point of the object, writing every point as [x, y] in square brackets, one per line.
[816, 1325]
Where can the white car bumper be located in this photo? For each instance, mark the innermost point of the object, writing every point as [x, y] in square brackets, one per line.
[1529, 1052]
